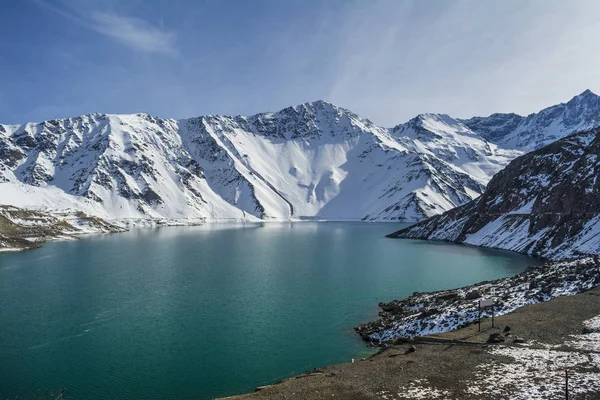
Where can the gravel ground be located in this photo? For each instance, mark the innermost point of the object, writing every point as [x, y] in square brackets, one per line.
[470, 369]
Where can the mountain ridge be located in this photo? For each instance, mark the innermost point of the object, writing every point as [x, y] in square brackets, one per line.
[510, 130]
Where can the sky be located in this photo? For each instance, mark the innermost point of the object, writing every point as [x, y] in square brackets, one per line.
[385, 60]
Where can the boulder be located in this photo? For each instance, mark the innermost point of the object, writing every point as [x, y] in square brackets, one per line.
[391, 307]
[495, 338]
[428, 313]
[472, 295]
[448, 296]
[398, 341]
[532, 285]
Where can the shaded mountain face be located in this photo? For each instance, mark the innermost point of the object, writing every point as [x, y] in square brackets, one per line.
[545, 203]
[312, 161]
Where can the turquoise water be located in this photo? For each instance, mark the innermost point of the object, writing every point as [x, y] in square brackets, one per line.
[201, 312]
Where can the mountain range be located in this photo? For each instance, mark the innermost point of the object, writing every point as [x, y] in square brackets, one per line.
[311, 161]
[545, 203]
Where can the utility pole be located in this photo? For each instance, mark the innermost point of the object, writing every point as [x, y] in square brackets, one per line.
[566, 384]
[479, 318]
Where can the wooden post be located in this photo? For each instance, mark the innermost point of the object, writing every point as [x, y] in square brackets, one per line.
[493, 304]
[479, 318]
[566, 384]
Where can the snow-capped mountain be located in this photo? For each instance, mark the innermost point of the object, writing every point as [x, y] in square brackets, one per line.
[115, 166]
[545, 203]
[318, 160]
[528, 133]
[315, 160]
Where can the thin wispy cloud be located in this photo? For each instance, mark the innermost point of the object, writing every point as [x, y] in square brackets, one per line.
[131, 31]
[385, 60]
[134, 32]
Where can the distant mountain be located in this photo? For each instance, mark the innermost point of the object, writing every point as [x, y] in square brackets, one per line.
[312, 161]
[513, 131]
[544, 203]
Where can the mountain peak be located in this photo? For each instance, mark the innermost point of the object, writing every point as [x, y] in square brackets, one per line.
[318, 105]
[309, 105]
[586, 95]
[437, 122]
[433, 117]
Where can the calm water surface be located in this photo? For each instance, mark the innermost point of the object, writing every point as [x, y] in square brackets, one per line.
[200, 312]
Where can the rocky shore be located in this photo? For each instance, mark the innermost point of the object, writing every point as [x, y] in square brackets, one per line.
[546, 325]
[536, 346]
[434, 312]
[22, 229]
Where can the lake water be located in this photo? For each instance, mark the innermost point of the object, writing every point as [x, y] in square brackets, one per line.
[215, 310]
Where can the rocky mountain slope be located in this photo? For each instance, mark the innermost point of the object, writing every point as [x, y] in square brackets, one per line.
[312, 161]
[23, 229]
[545, 203]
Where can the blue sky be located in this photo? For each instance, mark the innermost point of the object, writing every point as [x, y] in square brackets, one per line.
[385, 60]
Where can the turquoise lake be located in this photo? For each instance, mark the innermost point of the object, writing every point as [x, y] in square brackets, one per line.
[209, 311]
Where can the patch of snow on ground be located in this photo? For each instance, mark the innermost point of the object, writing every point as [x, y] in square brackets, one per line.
[417, 389]
[539, 373]
[535, 374]
[8, 249]
[593, 323]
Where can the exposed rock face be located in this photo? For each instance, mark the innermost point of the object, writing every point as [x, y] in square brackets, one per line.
[545, 203]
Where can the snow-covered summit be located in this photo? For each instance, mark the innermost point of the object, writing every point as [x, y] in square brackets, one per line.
[432, 124]
[536, 130]
[320, 160]
[450, 140]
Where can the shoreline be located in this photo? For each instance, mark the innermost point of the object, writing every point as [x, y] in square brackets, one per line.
[23, 229]
[440, 311]
[22, 242]
[551, 288]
